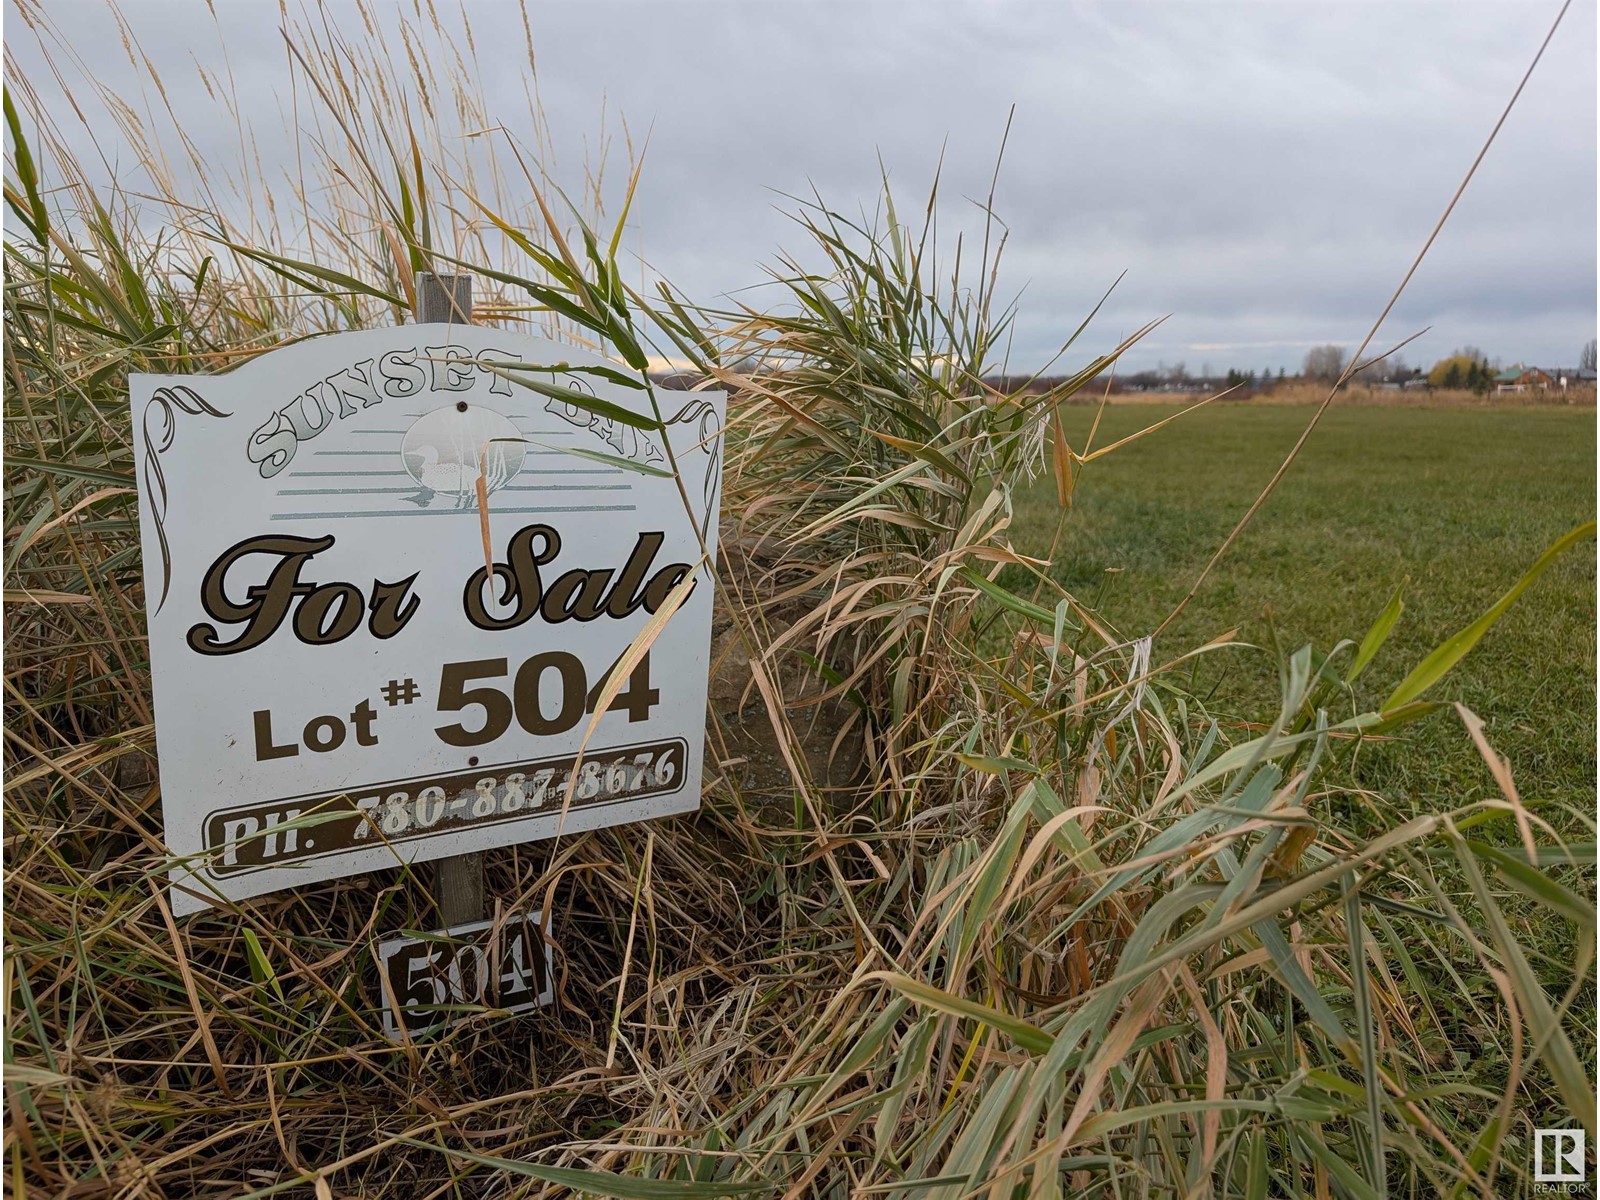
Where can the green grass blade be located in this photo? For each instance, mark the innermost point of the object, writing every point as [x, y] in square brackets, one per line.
[597, 1182]
[1029, 1037]
[1431, 669]
[1377, 635]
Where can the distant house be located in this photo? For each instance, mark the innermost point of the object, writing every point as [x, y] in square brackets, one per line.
[1520, 379]
[1572, 376]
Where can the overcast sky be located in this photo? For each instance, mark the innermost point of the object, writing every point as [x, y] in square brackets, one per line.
[1263, 172]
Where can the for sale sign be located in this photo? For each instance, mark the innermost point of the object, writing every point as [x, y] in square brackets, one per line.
[389, 576]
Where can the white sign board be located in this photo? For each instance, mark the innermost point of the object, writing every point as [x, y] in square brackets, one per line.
[342, 681]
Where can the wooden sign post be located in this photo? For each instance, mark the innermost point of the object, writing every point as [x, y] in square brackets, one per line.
[458, 880]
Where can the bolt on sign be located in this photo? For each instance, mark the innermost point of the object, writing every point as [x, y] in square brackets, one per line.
[388, 577]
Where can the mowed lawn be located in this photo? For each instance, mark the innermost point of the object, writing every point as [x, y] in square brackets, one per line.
[1458, 502]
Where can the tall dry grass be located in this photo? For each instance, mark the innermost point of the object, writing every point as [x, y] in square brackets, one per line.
[980, 900]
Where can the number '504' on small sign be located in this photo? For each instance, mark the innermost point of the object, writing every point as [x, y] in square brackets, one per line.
[440, 979]
[386, 589]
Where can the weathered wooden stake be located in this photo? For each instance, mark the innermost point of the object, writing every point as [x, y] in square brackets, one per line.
[458, 880]
[444, 299]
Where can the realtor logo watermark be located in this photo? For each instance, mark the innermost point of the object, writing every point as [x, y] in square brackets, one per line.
[1559, 1159]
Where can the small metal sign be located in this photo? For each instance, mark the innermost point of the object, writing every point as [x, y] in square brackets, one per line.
[440, 980]
[386, 587]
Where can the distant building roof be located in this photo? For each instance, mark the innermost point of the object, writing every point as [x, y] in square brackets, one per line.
[1513, 374]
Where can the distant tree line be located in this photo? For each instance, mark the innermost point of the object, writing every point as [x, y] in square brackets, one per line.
[1465, 368]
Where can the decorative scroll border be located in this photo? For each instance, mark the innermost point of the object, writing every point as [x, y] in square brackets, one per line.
[165, 400]
[709, 442]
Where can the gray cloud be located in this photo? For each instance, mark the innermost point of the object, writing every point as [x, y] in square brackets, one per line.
[1263, 172]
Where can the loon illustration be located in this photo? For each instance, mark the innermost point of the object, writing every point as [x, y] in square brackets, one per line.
[457, 480]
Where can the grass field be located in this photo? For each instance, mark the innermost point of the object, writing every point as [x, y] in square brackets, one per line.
[1457, 502]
